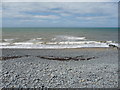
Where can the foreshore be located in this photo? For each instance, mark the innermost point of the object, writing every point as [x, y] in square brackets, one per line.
[75, 68]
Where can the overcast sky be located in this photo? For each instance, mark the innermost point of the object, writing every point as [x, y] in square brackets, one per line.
[60, 14]
[60, 0]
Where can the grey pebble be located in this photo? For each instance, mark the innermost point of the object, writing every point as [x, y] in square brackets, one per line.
[35, 72]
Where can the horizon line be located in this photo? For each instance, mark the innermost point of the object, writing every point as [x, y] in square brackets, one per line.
[59, 27]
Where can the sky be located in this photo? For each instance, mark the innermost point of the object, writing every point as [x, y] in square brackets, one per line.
[60, 0]
[60, 14]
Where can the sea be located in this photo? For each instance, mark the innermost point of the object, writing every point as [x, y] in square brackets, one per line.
[58, 37]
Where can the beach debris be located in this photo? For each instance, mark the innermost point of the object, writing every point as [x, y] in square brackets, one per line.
[82, 80]
[113, 46]
[12, 57]
[77, 58]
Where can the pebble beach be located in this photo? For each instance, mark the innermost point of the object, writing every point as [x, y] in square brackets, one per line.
[28, 69]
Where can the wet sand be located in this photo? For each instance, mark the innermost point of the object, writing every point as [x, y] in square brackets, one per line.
[24, 69]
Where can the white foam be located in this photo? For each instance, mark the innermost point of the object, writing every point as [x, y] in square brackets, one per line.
[62, 37]
[57, 45]
[44, 46]
[109, 41]
[52, 43]
[74, 38]
[74, 42]
[7, 40]
[23, 43]
[3, 44]
[39, 38]
[35, 40]
[39, 42]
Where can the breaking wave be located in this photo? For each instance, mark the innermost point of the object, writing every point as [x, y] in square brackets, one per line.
[57, 42]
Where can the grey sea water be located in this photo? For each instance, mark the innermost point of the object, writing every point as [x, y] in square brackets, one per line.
[102, 34]
[40, 37]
